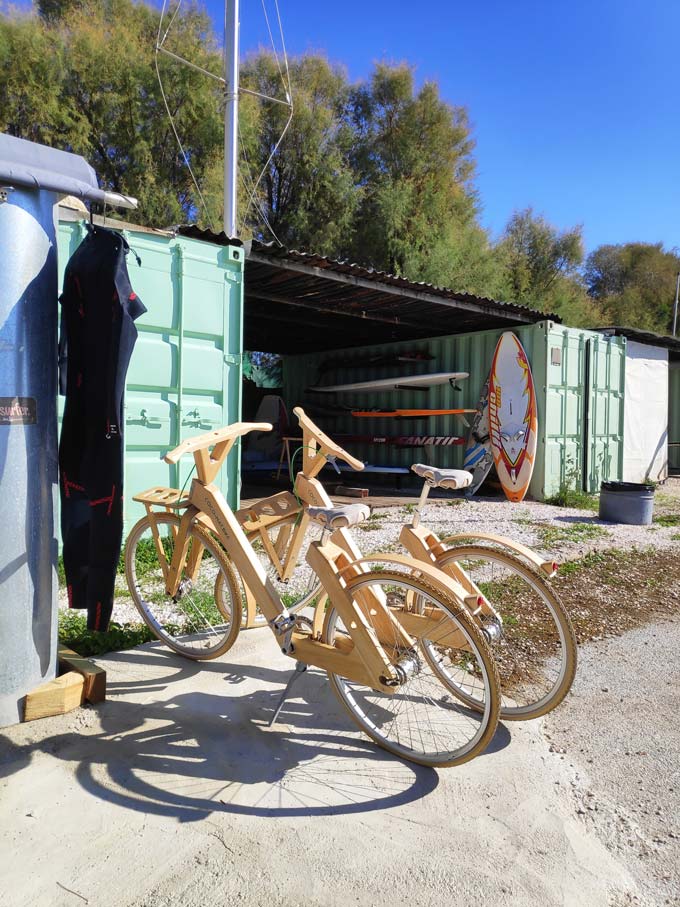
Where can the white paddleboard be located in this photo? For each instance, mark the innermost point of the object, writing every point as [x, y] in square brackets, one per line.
[513, 419]
[398, 383]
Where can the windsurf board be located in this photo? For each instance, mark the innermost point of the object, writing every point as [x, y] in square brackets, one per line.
[400, 382]
[513, 419]
[402, 440]
[408, 413]
[376, 361]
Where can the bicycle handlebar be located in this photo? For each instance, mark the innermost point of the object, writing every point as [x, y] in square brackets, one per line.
[212, 438]
[327, 446]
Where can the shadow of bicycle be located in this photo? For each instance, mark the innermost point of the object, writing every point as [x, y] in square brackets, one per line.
[185, 740]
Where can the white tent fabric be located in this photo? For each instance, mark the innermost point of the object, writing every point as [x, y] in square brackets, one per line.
[645, 432]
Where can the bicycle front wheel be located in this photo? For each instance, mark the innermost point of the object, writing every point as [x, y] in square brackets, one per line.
[203, 619]
[536, 647]
[422, 721]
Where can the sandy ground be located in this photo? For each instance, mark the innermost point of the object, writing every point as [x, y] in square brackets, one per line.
[175, 792]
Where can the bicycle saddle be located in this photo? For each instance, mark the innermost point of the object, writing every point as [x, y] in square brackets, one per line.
[443, 478]
[339, 517]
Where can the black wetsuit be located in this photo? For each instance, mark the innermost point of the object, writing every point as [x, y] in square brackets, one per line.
[97, 338]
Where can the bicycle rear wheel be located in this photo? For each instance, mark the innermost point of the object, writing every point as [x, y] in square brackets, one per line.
[203, 620]
[536, 649]
[421, 721]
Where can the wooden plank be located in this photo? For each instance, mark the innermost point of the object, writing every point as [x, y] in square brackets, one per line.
[55, 697]
[342, 659]
[94, 677]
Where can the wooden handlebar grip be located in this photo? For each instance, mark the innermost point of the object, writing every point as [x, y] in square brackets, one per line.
[211, 438]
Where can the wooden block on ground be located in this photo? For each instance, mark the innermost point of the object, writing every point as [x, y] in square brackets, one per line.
[94, 677]
[351, 492]
[55, 697]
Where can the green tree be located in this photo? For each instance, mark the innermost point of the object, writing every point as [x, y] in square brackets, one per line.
[535, 255]
[541, 268]
[308, 195]
[413, 159]
[634, 284]
[82, 78]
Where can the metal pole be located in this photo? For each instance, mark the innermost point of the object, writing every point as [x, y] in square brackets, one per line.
[675, 306]
[231, 36]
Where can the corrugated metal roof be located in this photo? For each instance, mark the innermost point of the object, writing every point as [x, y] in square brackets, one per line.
[218, 239]
[344, 267]
[649, 337]
[300, 301]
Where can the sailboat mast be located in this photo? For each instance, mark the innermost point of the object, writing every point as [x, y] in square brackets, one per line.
[231, 53]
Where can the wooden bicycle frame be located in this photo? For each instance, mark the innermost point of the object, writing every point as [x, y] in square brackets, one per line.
[366, 660]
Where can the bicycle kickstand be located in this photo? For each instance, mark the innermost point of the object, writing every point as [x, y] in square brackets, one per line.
[300, 668]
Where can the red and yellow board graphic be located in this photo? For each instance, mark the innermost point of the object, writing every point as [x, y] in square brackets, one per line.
[513, 417]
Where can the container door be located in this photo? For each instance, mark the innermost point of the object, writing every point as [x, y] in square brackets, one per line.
[674, 417]
[605, 383]
[564, 421]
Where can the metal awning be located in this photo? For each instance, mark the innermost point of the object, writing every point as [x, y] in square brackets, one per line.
[297, 301]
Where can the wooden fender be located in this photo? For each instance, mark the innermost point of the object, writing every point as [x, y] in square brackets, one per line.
[550, 567]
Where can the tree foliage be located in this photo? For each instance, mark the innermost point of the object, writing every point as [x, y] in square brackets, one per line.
[82, 78]
[413, 158]
[634, 284]
[308, 196]
[381, 172]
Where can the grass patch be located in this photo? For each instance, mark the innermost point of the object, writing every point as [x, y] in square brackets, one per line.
[373, 522]
[667, 519]
[572, 532]
[73, 633]
[596, 560]
[571, 497]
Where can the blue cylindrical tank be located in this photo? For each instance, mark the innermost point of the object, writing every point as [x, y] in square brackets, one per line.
[28, 445]
[627, 502]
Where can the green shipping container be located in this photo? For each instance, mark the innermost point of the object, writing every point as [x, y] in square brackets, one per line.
[185, 373]
[579, 377]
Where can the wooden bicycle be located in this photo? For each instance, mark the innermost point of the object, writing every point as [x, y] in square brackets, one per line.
[382, 627]
[529, 628]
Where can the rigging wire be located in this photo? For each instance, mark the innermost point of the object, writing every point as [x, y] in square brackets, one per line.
[251, 192]
[285, 81]
[159, 45]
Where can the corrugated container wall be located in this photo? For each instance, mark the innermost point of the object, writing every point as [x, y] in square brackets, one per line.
[579, 377]
[185, 373]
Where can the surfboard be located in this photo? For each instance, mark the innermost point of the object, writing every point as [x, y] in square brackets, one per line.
[400, 382]
[513, 420]
[408, 413]
[376, 361]
[402, 440]
[478, 458]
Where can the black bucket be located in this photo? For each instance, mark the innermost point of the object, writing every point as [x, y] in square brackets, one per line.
[627, 502]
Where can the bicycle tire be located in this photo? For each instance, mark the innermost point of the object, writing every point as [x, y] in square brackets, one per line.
[402, 723]
[537, 652]
[206, 619]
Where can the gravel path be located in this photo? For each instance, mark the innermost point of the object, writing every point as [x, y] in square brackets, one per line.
[618, 734]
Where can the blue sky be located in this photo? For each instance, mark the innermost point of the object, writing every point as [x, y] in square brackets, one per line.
[575, 106]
